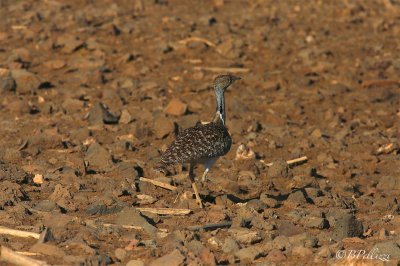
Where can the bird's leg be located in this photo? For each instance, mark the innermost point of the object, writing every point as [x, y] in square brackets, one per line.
[204, 177]
[196, 192]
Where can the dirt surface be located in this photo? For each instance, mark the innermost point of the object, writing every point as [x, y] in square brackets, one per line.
[93, 91]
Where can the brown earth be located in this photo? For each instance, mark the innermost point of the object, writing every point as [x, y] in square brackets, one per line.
[93, 91]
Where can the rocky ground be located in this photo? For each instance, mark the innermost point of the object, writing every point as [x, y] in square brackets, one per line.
[93, 91]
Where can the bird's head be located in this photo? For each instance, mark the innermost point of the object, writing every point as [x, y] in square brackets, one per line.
[222, 82]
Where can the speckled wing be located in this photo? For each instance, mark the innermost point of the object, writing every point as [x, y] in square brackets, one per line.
[197, 143]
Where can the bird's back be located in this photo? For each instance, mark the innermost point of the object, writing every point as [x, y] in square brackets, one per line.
[198, 143]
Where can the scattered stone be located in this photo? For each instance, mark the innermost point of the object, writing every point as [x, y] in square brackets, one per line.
[296, 199]
[48, 250]
[230, 245]
[69, 43]
[347, 225]
[175, 258]
[26, 82]
[316, 222]
[287, 228]
[302, 251]
[245, 236]
[324, 252]
[55, 64]
[46, 206]
[388, 251]
[145, 199]
[11, 172]
[71, 106]
[304, 240]
[130, 216]
[99, 115]
[7, 83]
[249, 254]
[231, 48]
[120, 254]
[126, 117]
[176, 107]
[278, 169]
[135, 263]
[389, 183]
[281, 242]
[188, 120]
[275, 255]
[270, 202]
[97, 159]
[11, 193]
[163, 127]
[128, 170]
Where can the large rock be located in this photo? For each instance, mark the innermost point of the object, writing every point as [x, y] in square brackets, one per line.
[346, 225]
[389, 183]
[163, 127]
[133, 217]
[26, 82]
[7, 83]
[176, 107]
[97, 159]
[99, 114]
[175, 258]
[389, 250]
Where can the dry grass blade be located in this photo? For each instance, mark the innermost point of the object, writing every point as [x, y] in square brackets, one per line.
[124, 226]
[14, 258]
[210, 226]
[158, 183]
[290, 162]
[18, 233]
[165, 211]
[197, 39]
[232, 70]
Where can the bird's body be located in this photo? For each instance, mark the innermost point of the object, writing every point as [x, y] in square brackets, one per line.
[203, 143]
[199, 144]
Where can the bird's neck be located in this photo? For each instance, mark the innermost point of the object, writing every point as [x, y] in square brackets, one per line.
[220, 114]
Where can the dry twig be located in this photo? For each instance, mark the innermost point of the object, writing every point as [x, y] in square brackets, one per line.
[124, 226]
[196, 39]
[165, 211]
[158, 183]
[14, 258]
[210, 226]
[232, 70]
[290, 162]
[18, 233]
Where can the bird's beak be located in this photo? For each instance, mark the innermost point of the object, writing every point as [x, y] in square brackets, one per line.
[236, 78]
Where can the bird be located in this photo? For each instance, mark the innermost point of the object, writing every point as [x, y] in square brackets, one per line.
[203, 143]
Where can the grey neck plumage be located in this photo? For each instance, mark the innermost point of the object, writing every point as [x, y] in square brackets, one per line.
[220, 112]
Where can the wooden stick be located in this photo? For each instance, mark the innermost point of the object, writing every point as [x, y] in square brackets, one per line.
[210, 226]
[196, 39]
[165, 211]
[290, 162]
[14, 258]
[18, 233]
[124, 226]
[380, 82]
[18, 27]
[224, 69]
[27, 253]
[158, 183]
